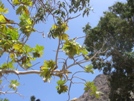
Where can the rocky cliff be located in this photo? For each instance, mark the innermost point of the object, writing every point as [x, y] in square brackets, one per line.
[102, 84]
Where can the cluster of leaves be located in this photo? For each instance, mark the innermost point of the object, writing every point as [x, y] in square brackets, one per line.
[47, 69]
[14, 36]
[84, 5]
[14, 84]
[61, 87]
[58, 30]
[89, 69]
[13, 43]
[72, 48]
[90, 86]
[116, 34]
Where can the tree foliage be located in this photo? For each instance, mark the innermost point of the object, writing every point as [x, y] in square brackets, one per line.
[115, 31]
[20, 55]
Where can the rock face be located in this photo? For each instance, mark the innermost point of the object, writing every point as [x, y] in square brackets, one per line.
[102, 84]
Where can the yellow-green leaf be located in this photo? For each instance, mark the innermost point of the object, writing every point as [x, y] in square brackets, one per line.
[64, 26]
[18, 47]
[2, 18]
[2, 8]
[63, 37]
[15, 2]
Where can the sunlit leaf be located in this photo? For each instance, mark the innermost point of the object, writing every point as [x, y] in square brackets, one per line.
[2, 18]
[16, 2]
[54, 26]
[12, 55]
[8, 65]
[2, 8]
[38, 51]
[89, 69]
[14, 84]
[18, 47]
[49, 64]
[72, 48]
[13, 33]
[63, 37]
[61, 82]
[84, 51]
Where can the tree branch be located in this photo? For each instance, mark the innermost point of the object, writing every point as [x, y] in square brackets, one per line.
[55, 72]
[57, 51]
[11, 92]
[20, 72]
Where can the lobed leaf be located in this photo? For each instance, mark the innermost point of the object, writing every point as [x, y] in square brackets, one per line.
[89, 69]
[14, 84]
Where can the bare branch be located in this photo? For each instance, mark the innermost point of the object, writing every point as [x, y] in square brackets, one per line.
[57, 51]
[55, 72]
[72, 18]
[11, 92]
[20, 72]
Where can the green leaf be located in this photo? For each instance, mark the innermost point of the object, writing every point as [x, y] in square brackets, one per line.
[61, 82]
[38, 51]
[38, 47]
[50, 64]
[18, 47]
[27, 49]
[26, 10]
[3, 10]
[14, 84]
[71, 48]
[46, 72]
[22, 10]
[24, 2]
[62, 89]
[8, 65]
[63, 37]
[2, 18]
[90, 86]
[89, 69]
[58, 30]
[19, 10]
[27, 65]
[84, 51]
[13, 33]
[16, 2]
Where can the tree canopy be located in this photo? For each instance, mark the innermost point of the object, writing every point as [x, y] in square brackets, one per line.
[115, 32]
[14, 35]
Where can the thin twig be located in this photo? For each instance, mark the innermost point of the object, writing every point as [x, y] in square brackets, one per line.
[11, 92]
[57, 51]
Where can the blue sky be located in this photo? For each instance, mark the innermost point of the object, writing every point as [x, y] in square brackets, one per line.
[33, 84]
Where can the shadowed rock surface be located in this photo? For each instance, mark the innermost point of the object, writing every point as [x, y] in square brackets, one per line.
[102, 84]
